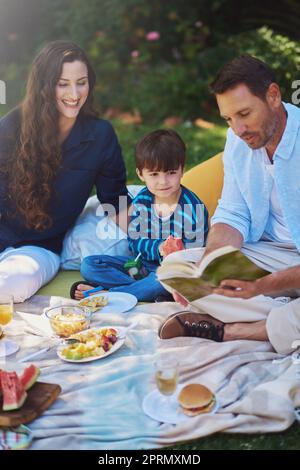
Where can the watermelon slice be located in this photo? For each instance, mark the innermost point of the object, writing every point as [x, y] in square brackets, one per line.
[13, 392]
[29, 376]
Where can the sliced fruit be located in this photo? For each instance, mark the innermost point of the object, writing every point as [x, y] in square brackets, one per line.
[73, 355]
[112, 339]
[13, 391]
[29, 376]
[110, 331]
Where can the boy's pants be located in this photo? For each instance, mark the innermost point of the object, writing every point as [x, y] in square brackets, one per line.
[109, 272]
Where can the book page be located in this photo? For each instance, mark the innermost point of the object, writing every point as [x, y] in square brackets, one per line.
[181, 263]
[192, 255]
[190, 288]
[177, 269]
[231, 265]
[223, 250]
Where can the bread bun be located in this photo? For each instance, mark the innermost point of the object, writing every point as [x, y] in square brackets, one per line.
[195, 399]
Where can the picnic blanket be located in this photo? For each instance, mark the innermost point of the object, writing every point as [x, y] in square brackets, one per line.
[100, 406]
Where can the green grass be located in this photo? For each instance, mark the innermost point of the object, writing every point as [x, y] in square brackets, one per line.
[287, 440]
[201, 144]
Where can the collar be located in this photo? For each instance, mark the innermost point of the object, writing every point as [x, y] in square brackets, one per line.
[82, 131]
[286, 145]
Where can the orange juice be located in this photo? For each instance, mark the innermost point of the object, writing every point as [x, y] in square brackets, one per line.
[6, 313]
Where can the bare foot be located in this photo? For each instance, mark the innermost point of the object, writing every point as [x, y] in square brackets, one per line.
[180, 299]
[81, 288]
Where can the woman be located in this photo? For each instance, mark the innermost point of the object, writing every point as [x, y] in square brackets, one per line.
[53, 149]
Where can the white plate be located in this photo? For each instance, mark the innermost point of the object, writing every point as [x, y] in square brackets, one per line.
[114, 348]
[157, 407]
[118, 302]
[8, 347]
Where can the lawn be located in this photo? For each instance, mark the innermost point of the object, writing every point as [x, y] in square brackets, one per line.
[288, 440]
[201, 145]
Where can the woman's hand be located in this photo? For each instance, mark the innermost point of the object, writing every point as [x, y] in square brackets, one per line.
[238, 289]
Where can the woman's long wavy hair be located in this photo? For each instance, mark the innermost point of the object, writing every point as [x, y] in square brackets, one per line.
[37, 157]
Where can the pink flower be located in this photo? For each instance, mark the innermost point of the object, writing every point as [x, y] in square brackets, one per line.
[153, 36]
[12, 36]
[135, 54]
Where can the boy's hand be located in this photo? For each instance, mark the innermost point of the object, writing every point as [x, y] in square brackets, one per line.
[180, 299]
[170, 245]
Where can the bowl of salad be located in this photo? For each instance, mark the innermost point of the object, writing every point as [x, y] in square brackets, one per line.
[66, 320]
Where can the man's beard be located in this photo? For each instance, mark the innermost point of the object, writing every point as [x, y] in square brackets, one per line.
[265, 136]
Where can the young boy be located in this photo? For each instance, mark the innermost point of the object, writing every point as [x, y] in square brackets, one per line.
[165, 216]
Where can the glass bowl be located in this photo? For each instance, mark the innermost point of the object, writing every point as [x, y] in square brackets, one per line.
[66, 320]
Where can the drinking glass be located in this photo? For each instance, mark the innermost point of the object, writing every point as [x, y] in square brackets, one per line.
[166, 377]
[7, 347]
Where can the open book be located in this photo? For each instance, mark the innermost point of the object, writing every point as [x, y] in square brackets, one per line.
[179, 272]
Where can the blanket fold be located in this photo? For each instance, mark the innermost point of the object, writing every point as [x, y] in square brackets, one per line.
[100, 406]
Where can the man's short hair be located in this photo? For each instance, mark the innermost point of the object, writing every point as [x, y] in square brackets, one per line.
[161, 150]
[252, 72]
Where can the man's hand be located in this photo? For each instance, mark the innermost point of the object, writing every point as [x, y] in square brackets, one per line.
[228, 288]
[240, 289]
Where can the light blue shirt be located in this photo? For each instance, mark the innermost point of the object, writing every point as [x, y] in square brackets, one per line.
[245, 200]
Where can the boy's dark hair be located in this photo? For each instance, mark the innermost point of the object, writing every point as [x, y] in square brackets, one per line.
[161, 150]
[246, 69]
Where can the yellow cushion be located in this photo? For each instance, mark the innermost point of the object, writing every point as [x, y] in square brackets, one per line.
[206, 180]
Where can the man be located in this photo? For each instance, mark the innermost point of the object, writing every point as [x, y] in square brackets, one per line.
[258, 212]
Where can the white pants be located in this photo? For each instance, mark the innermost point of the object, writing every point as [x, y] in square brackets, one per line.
[24, 270]
[281, 314]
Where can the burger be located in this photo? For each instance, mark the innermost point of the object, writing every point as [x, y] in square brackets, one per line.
[195, 399]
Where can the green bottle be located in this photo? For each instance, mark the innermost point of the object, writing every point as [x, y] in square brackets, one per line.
[134, 266]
